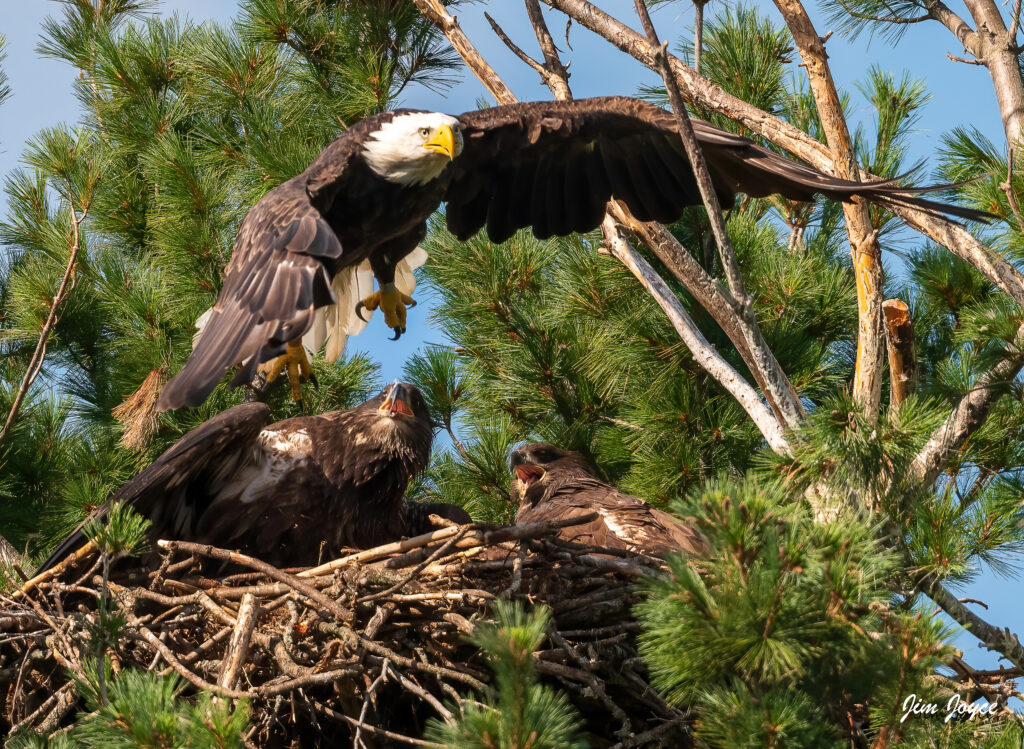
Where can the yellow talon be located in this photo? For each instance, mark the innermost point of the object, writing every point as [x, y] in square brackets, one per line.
[393, 303]
[297, 364]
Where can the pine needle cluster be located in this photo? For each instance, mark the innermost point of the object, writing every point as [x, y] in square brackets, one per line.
[518, 712]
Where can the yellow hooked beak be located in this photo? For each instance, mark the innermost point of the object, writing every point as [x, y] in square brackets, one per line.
[443, 142]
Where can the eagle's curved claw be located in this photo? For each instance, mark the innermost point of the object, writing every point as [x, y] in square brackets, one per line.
[393, 303]
[295, 362]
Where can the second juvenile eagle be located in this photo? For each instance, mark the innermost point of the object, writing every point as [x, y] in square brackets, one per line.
[291, 491]
[555, 484]
[366, 199]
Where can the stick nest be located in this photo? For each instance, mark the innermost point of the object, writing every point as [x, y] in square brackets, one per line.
[360, 651]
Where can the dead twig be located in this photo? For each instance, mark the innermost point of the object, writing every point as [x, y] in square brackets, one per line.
[67, 283]
[290, 580]
[248, 613]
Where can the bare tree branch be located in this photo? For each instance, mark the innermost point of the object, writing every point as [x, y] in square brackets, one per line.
[969, 415]
[704, 93]
[961, 29]
[965, 60]
[867, 265]
[703, 352]
[437, 14]
[1007, 188]
[698, 33]
[557, 77]
[997, 50]
[1000, 640]
[900, 343]
[884, 19]
[776, 387]
[67, 283]
[515, 48]
[714, 298]
[707, 291]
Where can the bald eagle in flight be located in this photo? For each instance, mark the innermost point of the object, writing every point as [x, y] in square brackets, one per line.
[291, 491]
[554, 484]
[303, 253]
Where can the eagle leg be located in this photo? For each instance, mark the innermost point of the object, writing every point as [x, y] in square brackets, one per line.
[394, 305]
[297, 364]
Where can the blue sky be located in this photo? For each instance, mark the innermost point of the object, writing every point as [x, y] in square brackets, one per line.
[962, 96]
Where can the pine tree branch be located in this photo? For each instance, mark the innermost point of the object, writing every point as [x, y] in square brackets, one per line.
[67, 283]
[702, 92]
[778, 388]
[557, 74]
[969, 415]
[709, 293]
[515, 48]
[867, 259]
[1000, 56]
[703, 352]
[1002, 641]
[436, 13]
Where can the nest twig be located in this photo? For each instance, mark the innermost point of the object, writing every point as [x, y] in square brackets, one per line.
[370, 645]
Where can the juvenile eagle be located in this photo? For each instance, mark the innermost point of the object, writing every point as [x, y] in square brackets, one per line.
[366, 199]
[554, 484]
[291, 491]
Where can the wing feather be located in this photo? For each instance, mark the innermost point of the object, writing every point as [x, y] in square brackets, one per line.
[276, 278]
[205, 457]
[629, 139]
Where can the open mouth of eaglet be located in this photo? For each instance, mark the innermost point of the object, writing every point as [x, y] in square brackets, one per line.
[528, 475]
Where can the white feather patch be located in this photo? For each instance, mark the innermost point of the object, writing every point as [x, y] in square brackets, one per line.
[200, 325]
[395, 150]
[332, 325]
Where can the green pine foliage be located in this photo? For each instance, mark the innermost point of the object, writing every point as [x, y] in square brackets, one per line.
[145, 710]
[792, 632]
[786, 627]
[517, 712]
[5, 88]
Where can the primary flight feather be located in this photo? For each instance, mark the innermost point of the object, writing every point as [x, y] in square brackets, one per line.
[366, 199]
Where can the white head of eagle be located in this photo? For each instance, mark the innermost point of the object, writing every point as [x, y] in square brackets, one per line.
[413, 148]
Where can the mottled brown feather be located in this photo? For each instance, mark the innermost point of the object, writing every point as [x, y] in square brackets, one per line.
[568, 487]
[286, 492]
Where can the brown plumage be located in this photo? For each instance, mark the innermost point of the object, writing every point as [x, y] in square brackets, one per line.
[554, 484]
[293, 491]
[551, 166]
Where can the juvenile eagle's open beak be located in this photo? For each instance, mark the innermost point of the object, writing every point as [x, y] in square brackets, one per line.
[397, 401]
[527, 475]
[443, 142]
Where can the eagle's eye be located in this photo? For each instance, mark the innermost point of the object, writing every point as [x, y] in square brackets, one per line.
[425, 132]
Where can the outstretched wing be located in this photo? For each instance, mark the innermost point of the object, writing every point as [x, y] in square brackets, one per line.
[206, 457]
[272, 285]
[554, 165]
